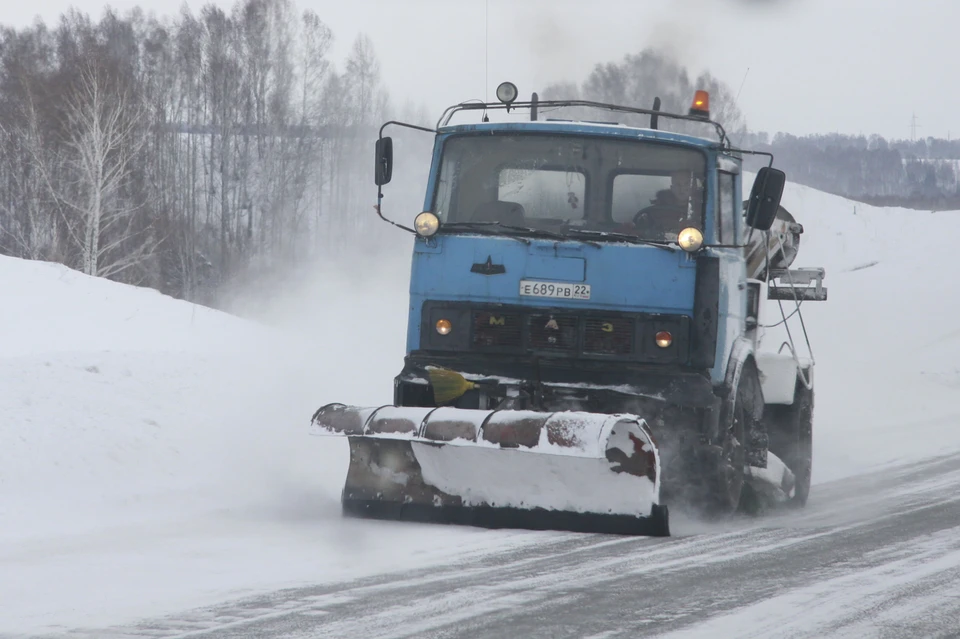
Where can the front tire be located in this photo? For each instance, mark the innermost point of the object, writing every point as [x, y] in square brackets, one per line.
[727, 482]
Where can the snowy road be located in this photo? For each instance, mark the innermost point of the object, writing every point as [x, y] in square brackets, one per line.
[878, 555]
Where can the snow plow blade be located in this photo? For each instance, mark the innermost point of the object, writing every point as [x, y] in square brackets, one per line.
[573, 471]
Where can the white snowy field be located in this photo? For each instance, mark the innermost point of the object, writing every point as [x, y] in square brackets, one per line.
[887, 343]
[154, 455]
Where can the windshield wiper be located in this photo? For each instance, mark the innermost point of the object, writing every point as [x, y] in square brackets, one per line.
[633, 239]
[520, 229]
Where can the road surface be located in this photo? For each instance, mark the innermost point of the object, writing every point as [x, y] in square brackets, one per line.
[875, 556]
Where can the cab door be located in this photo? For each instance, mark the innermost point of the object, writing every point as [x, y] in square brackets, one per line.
[732, 302]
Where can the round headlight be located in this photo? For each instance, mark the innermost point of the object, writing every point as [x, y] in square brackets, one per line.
[444, 326]
[690, 239]
[664, 339]
[507, 92]
[426, 224]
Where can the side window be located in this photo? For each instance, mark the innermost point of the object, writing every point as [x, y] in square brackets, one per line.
[633, 192]
[727, 209]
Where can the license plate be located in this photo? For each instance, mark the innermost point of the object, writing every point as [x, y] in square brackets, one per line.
[555, 289]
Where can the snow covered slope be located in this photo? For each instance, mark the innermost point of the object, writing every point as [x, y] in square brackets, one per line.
[887, 342]
[154, 454]
[107, 397]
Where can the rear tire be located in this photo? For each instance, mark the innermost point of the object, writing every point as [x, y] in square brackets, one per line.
[792, 440]
[802, 458]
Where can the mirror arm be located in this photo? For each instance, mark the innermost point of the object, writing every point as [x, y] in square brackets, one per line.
[748, 152]
[380, 213]
[377, 206]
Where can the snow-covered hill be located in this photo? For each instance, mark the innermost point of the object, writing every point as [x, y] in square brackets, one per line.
[887, 342]
[154, 456]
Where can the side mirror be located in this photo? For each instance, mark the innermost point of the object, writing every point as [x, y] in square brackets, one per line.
[383, 170]
[765, 198]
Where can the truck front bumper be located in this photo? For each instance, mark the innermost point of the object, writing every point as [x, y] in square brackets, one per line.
[675, 402]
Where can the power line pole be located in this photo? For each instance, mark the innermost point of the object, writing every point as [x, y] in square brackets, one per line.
[913, 128]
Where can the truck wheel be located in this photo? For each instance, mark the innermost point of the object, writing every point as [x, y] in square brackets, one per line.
[728, 480]
[792, 440]
[801, 461]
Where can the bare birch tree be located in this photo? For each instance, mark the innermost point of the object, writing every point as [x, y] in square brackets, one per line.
[188, 151]
[104, 124]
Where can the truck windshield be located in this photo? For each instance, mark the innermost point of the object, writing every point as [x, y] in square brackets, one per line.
[564, 184]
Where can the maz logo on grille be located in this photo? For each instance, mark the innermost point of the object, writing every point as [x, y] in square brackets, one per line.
[496, 330]
[553, 332]
[608, 336]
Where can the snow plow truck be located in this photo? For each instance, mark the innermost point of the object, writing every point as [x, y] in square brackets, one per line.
[584, 327]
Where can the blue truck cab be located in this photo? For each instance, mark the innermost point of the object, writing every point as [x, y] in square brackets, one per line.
[601, 267]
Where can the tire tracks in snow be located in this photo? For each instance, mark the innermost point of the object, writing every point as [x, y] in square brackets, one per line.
[874, 555]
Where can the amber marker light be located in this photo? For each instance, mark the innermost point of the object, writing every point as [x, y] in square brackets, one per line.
[664, 339]
[700, 107]
[444, 326]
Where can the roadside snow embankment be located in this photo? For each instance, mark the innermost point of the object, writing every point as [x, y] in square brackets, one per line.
[112, 398]
[886, 342]
[155, 454]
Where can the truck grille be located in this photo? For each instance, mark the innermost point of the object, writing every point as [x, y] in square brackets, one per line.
[555, 333]
[497, 330]
[552, 332]
[608, 336]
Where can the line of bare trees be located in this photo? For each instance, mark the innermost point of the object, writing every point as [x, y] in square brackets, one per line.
[180, 153]
[911, 173]
[639, 78]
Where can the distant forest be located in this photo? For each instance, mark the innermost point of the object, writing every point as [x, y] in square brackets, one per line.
[923, 173]
[187, 152]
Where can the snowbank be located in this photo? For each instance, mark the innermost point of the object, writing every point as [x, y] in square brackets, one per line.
[155, 454]
[886, 342]
[50, 308]
[105, 389]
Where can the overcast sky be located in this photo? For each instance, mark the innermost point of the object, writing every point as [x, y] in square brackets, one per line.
[815, 66]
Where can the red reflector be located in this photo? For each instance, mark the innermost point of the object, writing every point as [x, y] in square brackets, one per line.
[664, 339]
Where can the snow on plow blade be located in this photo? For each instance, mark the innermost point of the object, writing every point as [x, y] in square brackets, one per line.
[576, 471]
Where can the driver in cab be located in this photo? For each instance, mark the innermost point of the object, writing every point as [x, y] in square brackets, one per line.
[669, 211]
